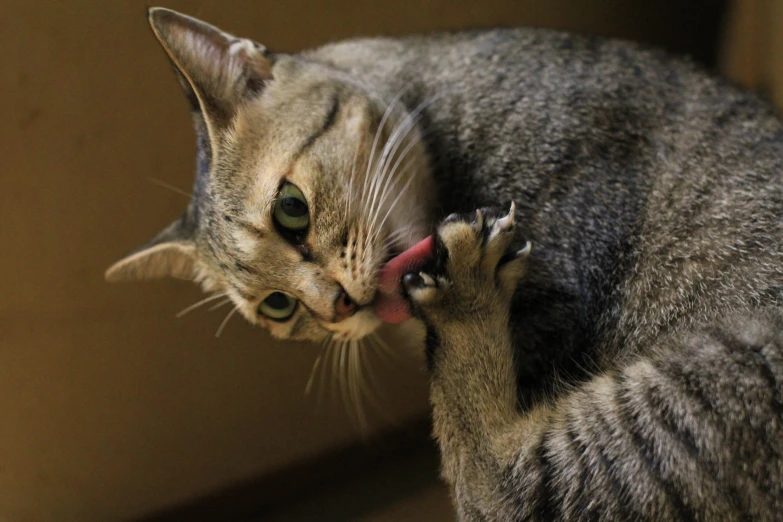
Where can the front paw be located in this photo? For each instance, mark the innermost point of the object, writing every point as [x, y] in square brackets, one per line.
[473, 270]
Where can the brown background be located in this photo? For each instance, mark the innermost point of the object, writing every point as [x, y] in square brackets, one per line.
[109, 406]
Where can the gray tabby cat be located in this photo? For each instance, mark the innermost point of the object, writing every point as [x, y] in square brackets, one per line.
[634, 373]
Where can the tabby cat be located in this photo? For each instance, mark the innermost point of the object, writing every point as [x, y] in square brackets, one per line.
[626, 367]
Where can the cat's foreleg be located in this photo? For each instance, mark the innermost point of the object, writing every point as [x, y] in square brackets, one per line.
[691, 431]
[464, 300]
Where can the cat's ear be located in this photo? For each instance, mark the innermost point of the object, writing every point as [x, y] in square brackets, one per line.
[218, 69]
[171, 253]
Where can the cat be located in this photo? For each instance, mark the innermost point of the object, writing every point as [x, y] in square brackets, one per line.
[633, 373]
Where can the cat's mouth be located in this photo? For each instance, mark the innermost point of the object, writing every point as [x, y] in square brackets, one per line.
[390, 304]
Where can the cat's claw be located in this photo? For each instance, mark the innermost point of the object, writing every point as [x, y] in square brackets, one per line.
[473, 267]
[509, 220]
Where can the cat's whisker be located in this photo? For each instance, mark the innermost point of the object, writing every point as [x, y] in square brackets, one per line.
[356, 381]
[343, 375]
[363, 370]
[397, 199]
[383, 347]
[378, 171]
[397, 179]
[200, 303]
[404, 232]
[403, 129]
[331, 351]
[221, 303]
[171, 187]
[390, 149]
[316, 365]
[311, 378]
[381, 171]
[225, 321]
[411, 144]
[386, 114]
[400, 133]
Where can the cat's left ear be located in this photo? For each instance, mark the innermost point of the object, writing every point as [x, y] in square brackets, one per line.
[222, 70]
[172, 253]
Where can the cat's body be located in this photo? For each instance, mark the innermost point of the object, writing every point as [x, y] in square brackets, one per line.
[653, 193]
[645, 330]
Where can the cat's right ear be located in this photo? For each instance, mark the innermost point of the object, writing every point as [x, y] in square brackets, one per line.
[172, 253]
[218, 70]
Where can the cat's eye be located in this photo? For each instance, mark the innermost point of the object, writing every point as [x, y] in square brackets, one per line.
[277, 306]
[291, 211]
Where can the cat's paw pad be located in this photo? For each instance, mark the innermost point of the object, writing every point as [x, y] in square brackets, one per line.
[473, 266]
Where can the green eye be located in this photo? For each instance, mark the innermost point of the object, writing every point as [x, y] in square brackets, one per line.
[291, 211]
[278, 306]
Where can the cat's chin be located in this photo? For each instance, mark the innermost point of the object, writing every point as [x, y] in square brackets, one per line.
[359, 325]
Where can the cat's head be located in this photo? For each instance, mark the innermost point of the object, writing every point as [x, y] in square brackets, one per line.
[307, 182]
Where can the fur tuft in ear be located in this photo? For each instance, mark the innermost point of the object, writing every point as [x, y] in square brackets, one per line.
[169, 254]
[221, 69]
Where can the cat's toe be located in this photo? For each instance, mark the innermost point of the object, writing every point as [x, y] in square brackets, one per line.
[422, 288]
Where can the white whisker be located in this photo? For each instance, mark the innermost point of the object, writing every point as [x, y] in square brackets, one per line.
[355, 385]
[202, 302]
[397, 199]
[376, 230]
[225, 321]
[399, 135]
[386, 114]
[316, 365]
[172, 188]
[221, 303]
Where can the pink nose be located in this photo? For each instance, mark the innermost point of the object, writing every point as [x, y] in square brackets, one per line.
[344, 307]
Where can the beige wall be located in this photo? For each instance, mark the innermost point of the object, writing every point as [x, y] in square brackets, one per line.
[753, 47]
[110, 406]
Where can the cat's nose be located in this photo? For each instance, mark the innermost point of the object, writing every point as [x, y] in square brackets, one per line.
[344, 306]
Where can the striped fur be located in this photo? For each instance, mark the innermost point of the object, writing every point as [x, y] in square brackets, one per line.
[692, 430]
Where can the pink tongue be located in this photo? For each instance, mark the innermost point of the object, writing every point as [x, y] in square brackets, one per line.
[390, 306]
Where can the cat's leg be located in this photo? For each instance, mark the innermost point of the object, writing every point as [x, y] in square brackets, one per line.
[692, 432]
[464, 301]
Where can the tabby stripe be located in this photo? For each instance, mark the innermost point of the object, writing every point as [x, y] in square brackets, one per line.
[584, 505]
[685, 438]
[734, 345]
[331, 117]
[581, 482]
[629, 422]
[245, 268]
[765, 368]
[625, 500]
[544, 506]
[609, 464]
[775, 387]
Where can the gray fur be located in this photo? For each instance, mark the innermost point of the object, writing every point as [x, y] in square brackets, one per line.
[691, 431]
[646, 337]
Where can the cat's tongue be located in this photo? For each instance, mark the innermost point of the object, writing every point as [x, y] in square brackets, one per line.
[390, 305]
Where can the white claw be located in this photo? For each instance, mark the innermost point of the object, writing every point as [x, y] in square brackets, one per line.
[479, 219]
[509, 219]
[428, 280]
[525, 251]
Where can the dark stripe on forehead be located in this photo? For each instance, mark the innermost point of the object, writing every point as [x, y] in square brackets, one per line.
[331, 117]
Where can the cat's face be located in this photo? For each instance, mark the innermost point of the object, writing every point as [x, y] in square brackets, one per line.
[307, 184]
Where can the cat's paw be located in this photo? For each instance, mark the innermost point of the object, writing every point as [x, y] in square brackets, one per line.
[473, 270]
